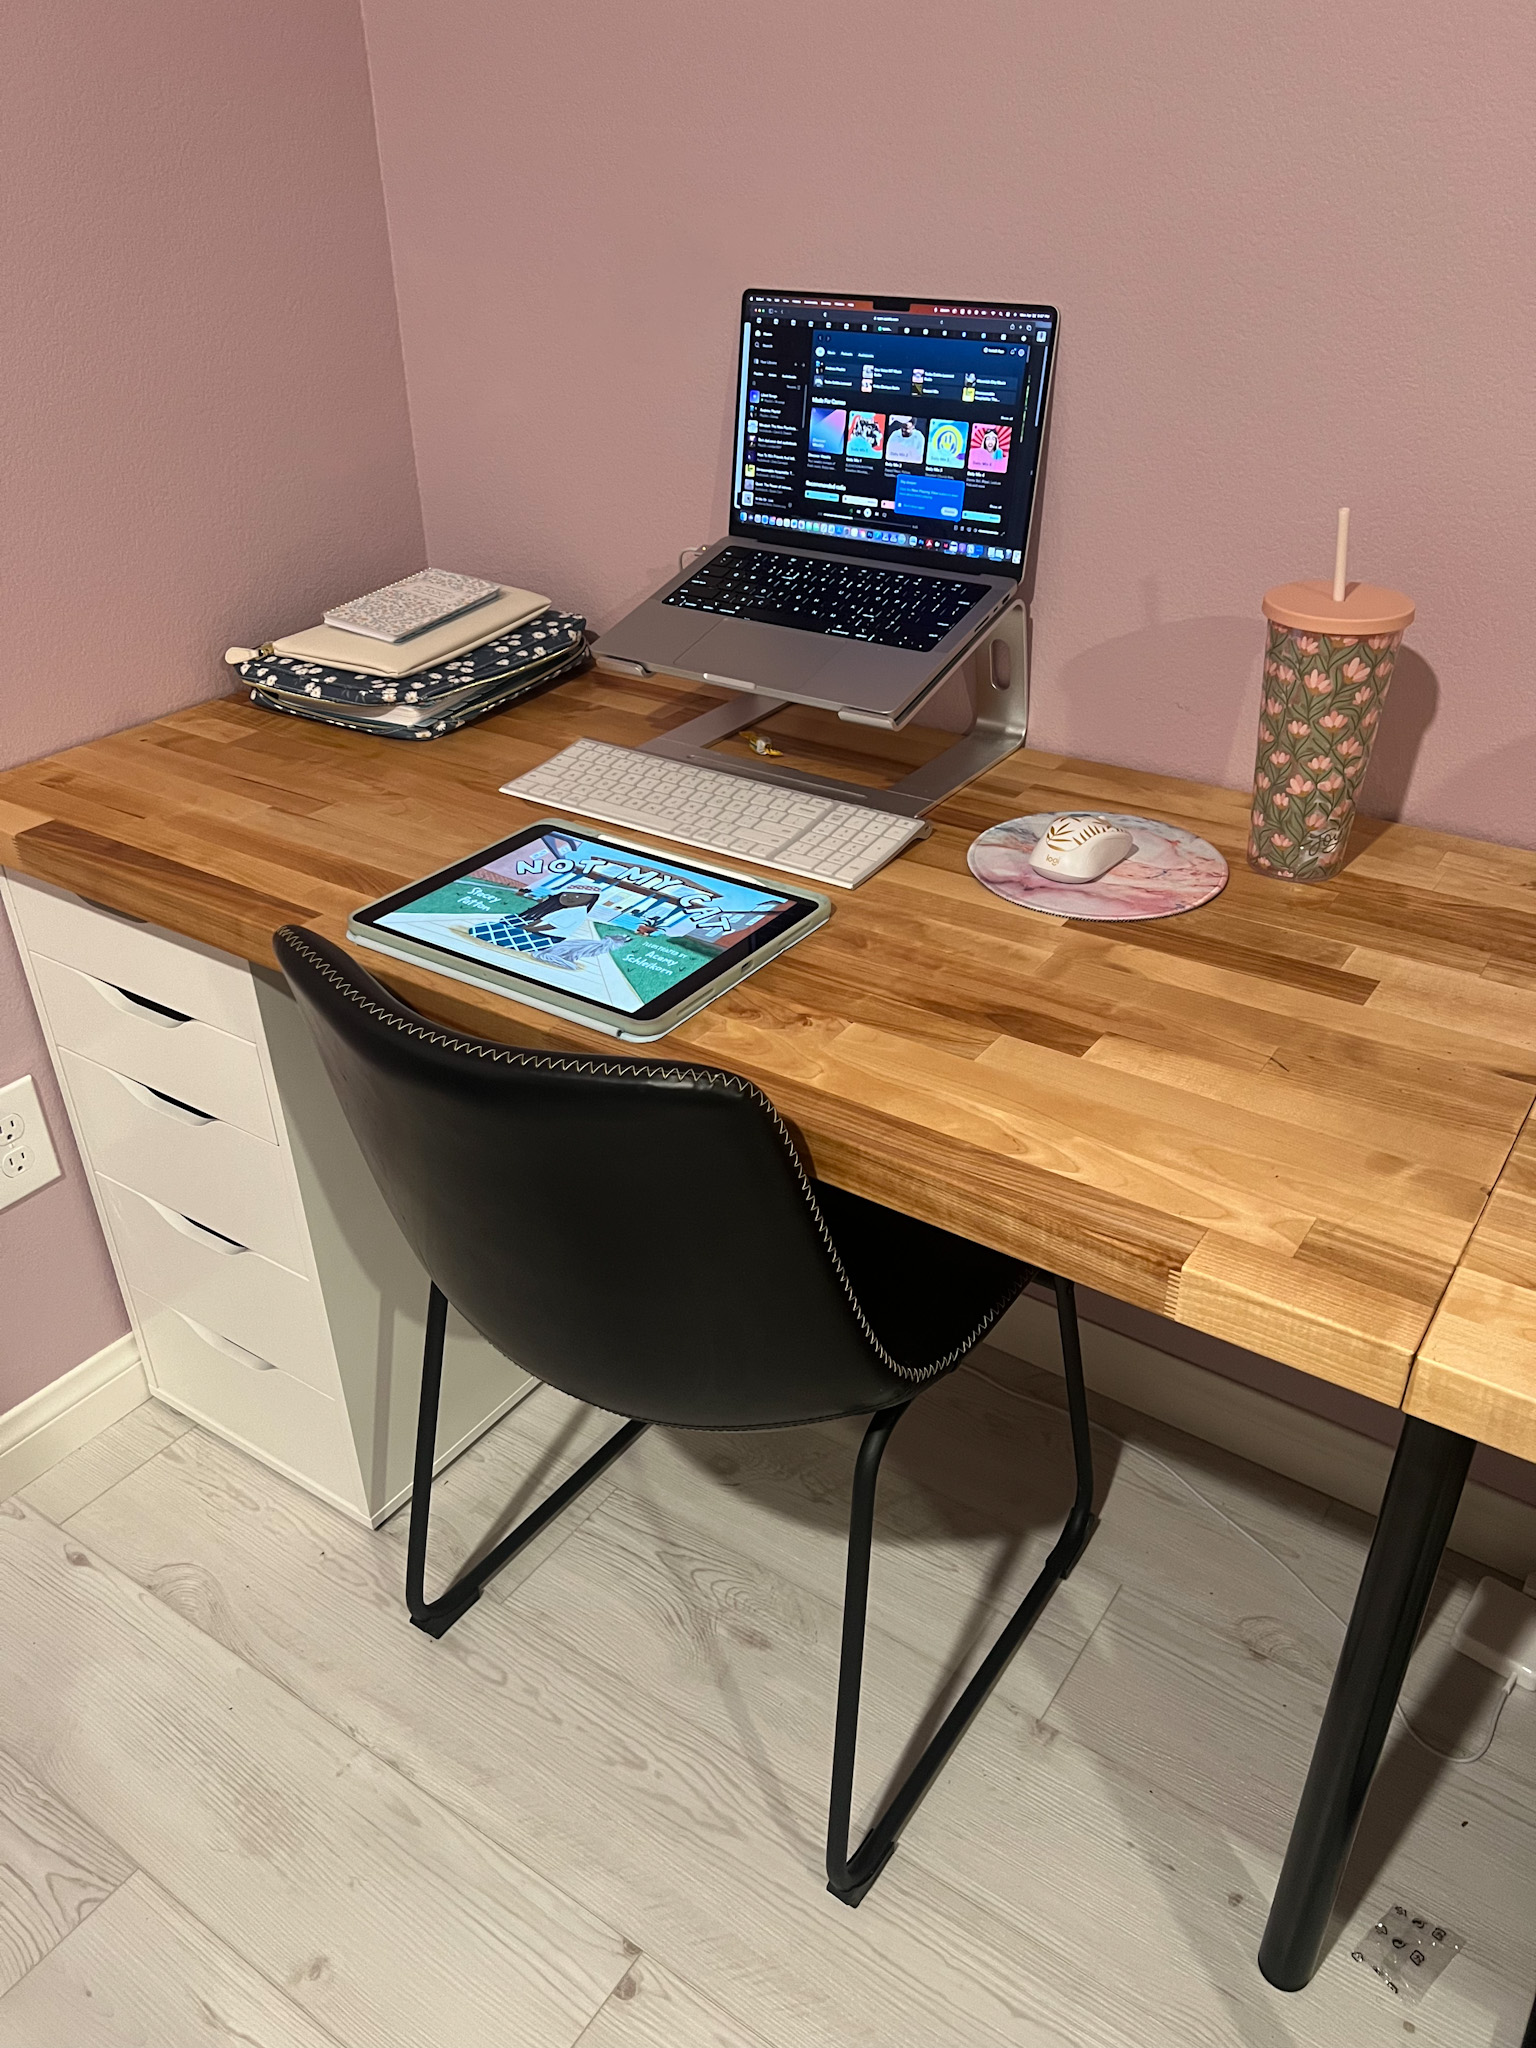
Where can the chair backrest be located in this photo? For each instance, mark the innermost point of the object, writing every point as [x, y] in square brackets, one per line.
[640, 1233]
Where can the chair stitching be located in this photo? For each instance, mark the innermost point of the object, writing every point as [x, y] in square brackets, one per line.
[566, 1063]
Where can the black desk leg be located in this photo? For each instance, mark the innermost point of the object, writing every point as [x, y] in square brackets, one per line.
[1528, 2038]
[1417, 1510]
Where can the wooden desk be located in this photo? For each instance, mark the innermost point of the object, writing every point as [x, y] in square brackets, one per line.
[1474, 1381]
[1476, 1370]
[1275, 1120]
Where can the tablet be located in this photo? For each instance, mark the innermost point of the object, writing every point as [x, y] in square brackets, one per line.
[607, 932]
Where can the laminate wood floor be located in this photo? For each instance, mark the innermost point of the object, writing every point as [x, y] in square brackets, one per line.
[241, 1801]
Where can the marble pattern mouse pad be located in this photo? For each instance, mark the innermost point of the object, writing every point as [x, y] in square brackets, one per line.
[1171, 870]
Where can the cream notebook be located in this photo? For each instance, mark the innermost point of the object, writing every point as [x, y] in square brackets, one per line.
[339, 649]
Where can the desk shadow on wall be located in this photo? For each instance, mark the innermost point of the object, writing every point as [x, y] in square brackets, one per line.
[1179, 698]
[1410, 711]
[1182, 699]
[1490, 797]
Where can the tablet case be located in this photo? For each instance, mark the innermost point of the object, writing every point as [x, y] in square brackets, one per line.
[556, 1002]
[469, 686]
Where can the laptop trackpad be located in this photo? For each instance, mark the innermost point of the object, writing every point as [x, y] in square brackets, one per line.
[654, 634]
[767, 657]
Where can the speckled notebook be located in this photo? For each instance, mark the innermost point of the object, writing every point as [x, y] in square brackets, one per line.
[429, 598]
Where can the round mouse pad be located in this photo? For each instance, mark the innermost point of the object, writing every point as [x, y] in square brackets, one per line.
[1170, 871]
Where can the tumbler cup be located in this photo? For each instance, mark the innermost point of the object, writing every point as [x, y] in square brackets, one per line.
[1326, 673]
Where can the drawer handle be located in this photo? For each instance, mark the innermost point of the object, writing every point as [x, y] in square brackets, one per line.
[101, 910]
[162, 1105]
[215, 1240]
[141, 1007]
[227, 1345]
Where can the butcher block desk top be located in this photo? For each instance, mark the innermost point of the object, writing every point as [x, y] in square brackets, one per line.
[1276, 1119]
[1476, 1373]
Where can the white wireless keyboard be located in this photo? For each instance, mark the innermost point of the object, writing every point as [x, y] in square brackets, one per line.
[820, 837]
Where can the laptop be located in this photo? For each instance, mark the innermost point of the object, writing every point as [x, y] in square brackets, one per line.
[882, 486]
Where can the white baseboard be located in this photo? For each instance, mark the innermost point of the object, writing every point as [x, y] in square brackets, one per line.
[1490, 1526]
[58, 1419]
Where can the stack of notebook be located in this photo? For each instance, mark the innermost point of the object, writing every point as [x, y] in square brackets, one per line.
[418, 659]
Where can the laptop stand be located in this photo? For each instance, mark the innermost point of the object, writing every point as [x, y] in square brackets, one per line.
[999, 663]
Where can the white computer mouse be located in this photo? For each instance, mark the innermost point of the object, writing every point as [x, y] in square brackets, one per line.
[1080, 849]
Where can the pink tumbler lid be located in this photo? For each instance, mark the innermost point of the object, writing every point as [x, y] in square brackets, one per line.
[1367, 608]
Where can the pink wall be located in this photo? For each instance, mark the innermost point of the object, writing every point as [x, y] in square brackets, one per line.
[1292, 250]
[209, 433]
[1291, 246]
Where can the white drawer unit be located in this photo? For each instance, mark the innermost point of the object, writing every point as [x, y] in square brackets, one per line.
[274, 1297]
[165, 1049]
[215, 1281]
[174, 971]
[187, 1159]
[245, 1396]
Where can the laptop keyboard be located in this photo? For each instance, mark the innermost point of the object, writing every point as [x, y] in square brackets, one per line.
[848, 599]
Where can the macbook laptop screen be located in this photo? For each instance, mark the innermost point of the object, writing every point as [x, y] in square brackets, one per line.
[891, 426]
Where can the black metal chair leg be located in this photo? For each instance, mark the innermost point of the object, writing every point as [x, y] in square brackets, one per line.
[849, 1877]
[437, 1616]
[1417, 1510]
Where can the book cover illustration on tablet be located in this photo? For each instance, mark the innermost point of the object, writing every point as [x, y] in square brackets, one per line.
[590, 920]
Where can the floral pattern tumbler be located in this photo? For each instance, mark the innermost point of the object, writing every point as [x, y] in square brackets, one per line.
[1326, 673]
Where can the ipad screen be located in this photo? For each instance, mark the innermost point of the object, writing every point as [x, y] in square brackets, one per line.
[595, 920]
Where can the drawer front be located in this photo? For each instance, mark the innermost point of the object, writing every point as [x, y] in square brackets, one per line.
[180, 973]
[247, 1398]
[224, 1286]
[199, 1064]
[193, 1163]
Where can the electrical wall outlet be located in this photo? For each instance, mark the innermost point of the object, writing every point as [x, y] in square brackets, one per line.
[1498, 1629]
[27, 1158]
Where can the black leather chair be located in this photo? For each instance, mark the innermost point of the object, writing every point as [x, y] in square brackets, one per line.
[745, 1294]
